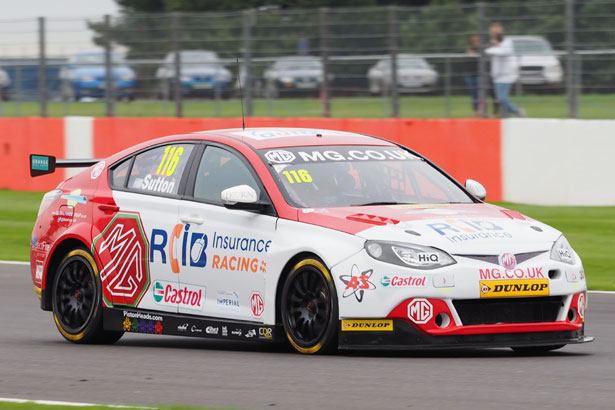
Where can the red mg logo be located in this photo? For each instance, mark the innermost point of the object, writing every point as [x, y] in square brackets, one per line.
[256, 304]
[420, 311]
[508, 261]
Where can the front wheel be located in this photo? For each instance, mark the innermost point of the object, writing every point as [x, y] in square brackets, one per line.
[309, 308]
[77, 302]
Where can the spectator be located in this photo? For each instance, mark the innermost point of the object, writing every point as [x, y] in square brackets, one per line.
[504, 73]
[472, 72]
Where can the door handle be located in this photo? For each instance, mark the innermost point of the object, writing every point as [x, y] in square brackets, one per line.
[191, 220]
[108, 208]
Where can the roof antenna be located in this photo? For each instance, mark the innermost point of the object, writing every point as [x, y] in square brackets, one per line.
[243, 118]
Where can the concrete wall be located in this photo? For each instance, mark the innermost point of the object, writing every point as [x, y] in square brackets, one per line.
[558, 162]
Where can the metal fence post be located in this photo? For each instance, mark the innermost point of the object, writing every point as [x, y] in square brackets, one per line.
[571, 86]
[177, 84]
[447, 87]
[324, 55]
[482, 61]
[248, 21]
[392, 17]
[42, 68]
[109, 94]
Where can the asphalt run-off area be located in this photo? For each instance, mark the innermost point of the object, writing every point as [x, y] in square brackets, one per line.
[37, 363]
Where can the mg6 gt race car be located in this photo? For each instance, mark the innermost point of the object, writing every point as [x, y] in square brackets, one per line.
[324, 239]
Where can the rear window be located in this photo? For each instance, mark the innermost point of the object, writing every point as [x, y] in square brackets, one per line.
[119, 174]
[159, 170]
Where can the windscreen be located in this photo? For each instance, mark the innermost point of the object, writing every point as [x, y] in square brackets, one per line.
[528, 46]
[336, 176]
[96, 59]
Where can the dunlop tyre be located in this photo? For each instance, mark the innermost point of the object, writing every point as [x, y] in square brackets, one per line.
[309, 308]
[77, 301]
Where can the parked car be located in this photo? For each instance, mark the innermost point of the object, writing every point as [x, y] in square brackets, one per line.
[5, 83]
[414, 74]
[201, 73]
[538, 65]
[294, 75]
[322, 239]
[85, 75]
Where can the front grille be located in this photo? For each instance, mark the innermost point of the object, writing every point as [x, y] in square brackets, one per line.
[532, 68]
[508, 310]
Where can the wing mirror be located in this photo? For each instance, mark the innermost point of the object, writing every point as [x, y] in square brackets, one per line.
[241, 197]
[476, 188]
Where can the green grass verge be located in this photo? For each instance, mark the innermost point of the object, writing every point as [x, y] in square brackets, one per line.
[589, 230]
[34, 406]
[412, 106]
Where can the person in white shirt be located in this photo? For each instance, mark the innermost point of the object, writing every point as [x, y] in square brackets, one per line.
[504, 72]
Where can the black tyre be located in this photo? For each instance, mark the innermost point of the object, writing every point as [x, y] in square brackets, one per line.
[77, 301]
[536, 349]
[309, 308]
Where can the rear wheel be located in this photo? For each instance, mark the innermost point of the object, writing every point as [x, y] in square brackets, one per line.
[77, 302]
[309, 308]
[536, 349]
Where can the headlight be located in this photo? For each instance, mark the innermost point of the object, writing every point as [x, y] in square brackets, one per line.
[127, 77]
[286, 79]
[563, 252]
[87, 78]
[409, 255]
[186, 78]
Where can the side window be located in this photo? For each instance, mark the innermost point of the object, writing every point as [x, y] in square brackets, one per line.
[159, 170]
[220, 169]
[119, 174]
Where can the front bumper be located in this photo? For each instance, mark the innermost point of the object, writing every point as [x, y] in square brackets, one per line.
[405, 336]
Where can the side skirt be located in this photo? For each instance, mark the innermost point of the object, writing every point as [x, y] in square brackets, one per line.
[162, 323]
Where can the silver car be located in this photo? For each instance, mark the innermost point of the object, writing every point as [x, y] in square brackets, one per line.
[538, 65]
[414, 74]
[201, 72]
[294, 74]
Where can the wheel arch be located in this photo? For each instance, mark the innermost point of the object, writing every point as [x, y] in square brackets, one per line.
[285, 271]
[59, 252]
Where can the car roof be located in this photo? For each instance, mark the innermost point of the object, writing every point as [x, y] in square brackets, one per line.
[279, 137]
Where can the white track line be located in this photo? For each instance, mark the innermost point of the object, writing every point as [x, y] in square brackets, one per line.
[68, 403]
[605, 292]
[15, 263]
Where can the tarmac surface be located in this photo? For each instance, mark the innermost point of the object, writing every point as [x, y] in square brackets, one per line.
[37, 363]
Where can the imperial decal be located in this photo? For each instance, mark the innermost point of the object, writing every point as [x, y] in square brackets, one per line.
[122, 249]
[357, 283]
[514, 288]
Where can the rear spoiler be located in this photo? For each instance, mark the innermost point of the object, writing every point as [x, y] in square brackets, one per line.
[47, 164]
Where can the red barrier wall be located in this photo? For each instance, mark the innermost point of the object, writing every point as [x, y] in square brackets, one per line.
[20, 137]
[465, 148]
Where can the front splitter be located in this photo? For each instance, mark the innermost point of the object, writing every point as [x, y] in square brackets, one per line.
[404, 336]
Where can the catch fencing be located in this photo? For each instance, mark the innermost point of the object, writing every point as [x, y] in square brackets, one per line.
[336, 62]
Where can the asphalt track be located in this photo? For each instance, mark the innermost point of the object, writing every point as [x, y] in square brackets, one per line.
[36, 363]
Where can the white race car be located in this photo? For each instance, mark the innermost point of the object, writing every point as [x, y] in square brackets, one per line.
[325, 239]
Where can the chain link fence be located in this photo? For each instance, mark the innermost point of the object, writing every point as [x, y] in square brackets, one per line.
[394, 61]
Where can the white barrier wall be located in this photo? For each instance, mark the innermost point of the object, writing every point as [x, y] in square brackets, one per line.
[558, 162]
